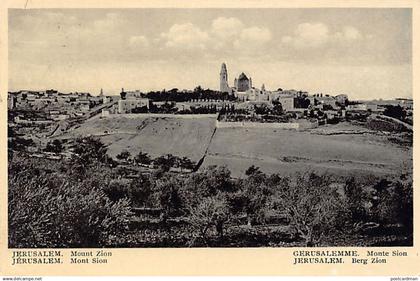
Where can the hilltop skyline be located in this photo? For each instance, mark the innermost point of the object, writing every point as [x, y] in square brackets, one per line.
[331, 51]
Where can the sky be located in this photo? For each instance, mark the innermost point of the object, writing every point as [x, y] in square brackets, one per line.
[364, 53]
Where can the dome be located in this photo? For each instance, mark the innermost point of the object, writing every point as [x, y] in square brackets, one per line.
[243, 77]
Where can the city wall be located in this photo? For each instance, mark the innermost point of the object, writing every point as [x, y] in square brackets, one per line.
[298, 125]
[160, 115]
[294, 125]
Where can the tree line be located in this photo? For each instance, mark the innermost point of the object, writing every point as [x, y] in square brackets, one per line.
[88, 202]
[164, 162]
[183, 96]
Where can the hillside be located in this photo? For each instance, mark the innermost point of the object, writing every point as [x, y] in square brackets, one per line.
[154, 135]
[341, 149]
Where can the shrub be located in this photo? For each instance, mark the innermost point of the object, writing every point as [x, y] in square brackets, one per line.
[393, 202]
[117, 189]
[142, 158]
[47, 211]
[395, 112]
[54, 146]
[140, 191]
[384, 125]
[124, 155]
[355, 200]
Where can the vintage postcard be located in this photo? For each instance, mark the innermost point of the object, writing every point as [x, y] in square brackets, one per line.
[209, 138]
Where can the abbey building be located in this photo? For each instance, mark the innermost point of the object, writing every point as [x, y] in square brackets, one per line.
[244, 90]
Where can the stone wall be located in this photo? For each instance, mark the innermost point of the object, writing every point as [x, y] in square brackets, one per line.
[295, 125]
[180, 116]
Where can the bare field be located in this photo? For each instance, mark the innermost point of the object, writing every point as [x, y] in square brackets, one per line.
[154, 135]
[341, 149]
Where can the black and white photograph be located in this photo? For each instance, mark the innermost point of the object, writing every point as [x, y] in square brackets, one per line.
[210, 127]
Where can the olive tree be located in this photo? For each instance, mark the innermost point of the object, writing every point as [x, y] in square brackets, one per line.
[210, 212]
[312, 205]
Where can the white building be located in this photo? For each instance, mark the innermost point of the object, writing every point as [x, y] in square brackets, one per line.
[127, 105]
[287, 102]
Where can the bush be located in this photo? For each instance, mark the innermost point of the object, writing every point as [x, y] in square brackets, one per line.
[395, 112]
[117, 189]
[142, 158]
[140, 191]
[392, 202]
[355, 201]
[124, 155]
[384, 125]
[54, 146]
[48, 211]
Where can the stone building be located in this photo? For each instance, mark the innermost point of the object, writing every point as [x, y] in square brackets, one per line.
[245, 92]
[130, 100]
[287, 102]
[243, 83]
[327, 100]
[126, 106]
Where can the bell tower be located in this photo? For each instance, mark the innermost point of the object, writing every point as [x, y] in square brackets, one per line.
[224, 86]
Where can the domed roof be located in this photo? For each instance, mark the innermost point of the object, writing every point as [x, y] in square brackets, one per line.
[243, 77]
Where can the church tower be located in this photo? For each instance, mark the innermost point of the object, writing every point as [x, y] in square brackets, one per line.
[224, 86]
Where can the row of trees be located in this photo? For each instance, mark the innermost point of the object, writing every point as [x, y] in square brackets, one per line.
[170, 108]
[204, 109]
[167, 107]
[396, 112]
[254, 113]
[165, 162]
[183, 96]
